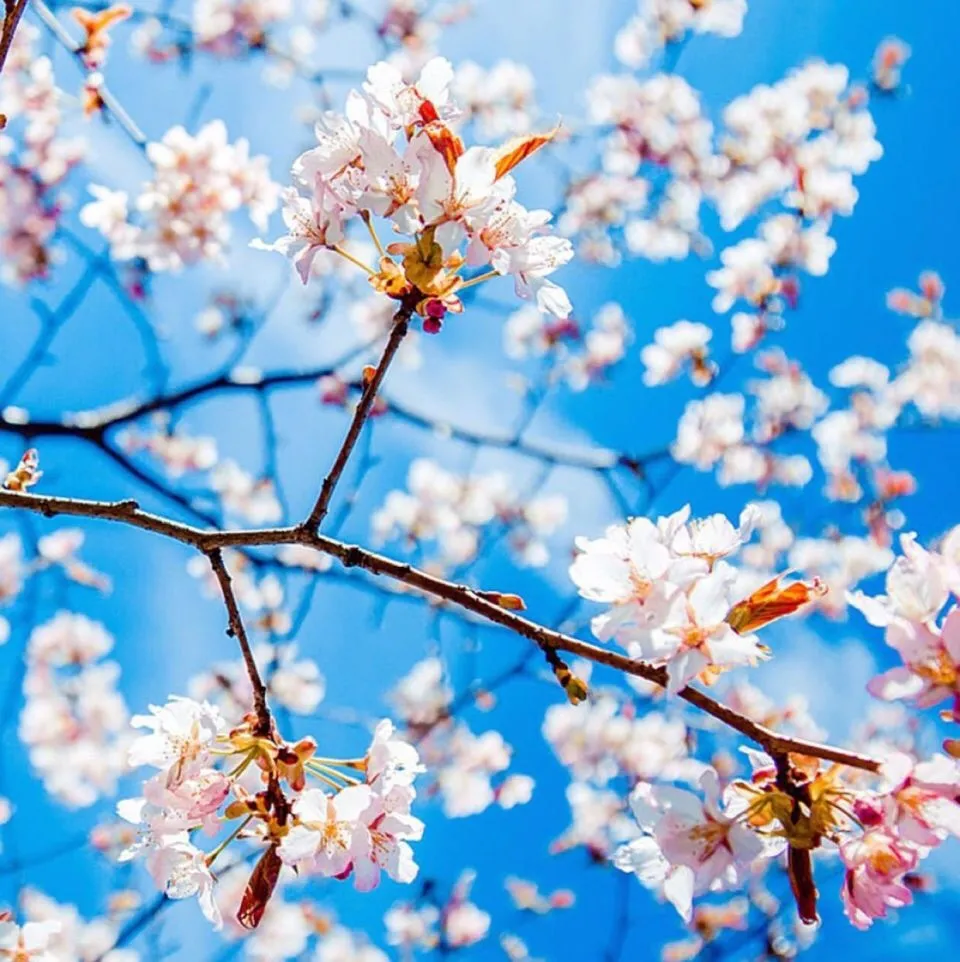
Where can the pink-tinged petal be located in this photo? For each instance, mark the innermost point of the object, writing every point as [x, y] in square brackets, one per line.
[678, 889]
[895, 684]
[950, 633]
[303, 260]
[350, 803]
[875, 610]
[644, 859]
[366, 876]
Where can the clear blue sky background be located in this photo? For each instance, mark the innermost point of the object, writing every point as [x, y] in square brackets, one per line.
[906, 220]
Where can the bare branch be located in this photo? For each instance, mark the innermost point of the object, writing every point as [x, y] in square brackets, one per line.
[13, 11]
[236, 630]
[353, 556]
[401, 324]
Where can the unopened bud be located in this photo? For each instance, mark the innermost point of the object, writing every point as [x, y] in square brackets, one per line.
[505, 600]
[574, 687]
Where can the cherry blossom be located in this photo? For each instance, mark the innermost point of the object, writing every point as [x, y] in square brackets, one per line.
[690, 848]
[431, 187]
[29, 942]
[177, 227]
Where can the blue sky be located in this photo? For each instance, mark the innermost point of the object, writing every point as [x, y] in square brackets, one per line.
[906, 220]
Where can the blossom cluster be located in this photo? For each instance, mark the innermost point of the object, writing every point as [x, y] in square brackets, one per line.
[295, 684]
[692, 844]
[660, 22]
[182, 214]
[33, 171]
[394, 155]
[712, 432]
[579, 357]
[674, 599]
[500, 101]
[355, 825]
[921, 622]
[74, 721]
[55, 931]
[453, 511]
[462, 766]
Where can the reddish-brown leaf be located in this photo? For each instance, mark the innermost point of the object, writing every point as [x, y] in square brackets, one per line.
[771, 602]
[263, 880]
[446, 143]
[800, 870]
[518, 149]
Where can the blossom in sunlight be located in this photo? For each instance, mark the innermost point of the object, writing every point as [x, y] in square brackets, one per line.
[464, 923]
[912, 613]
[27, 943]
[393, 155]
[466, 765]
[182, 214]
[680, 344]
[176, 450]
[362, 829]
[295, 683]
[690, 846]
[527, 896]
[74, 720]
[599, 821]
[328, 835]
[875, 867]
[931, 378]
[423, 695]
[36, 157]
[346, 826]
[69, 935]
[708, 429]
[182, 734]
[60, 548]
[230, 27]
[659, 22]
[453, 511]
[499, 100]
[410, 927]
[601, 739]
[669, 592]
[693, 635]
[180, 870]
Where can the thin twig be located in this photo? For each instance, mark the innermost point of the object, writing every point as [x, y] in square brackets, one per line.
[109, 101]
[401, 324]
[13, 11]
[236, 630]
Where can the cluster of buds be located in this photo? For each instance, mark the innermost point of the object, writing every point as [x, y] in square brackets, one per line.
[329, 817]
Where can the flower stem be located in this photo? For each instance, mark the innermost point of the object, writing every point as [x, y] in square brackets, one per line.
[479, 279]
[215, 854]
[343, 252]
[365, 216]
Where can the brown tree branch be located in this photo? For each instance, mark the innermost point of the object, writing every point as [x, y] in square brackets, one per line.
[401, 324]
[13, 11]
[236, 630]
[210, 542]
